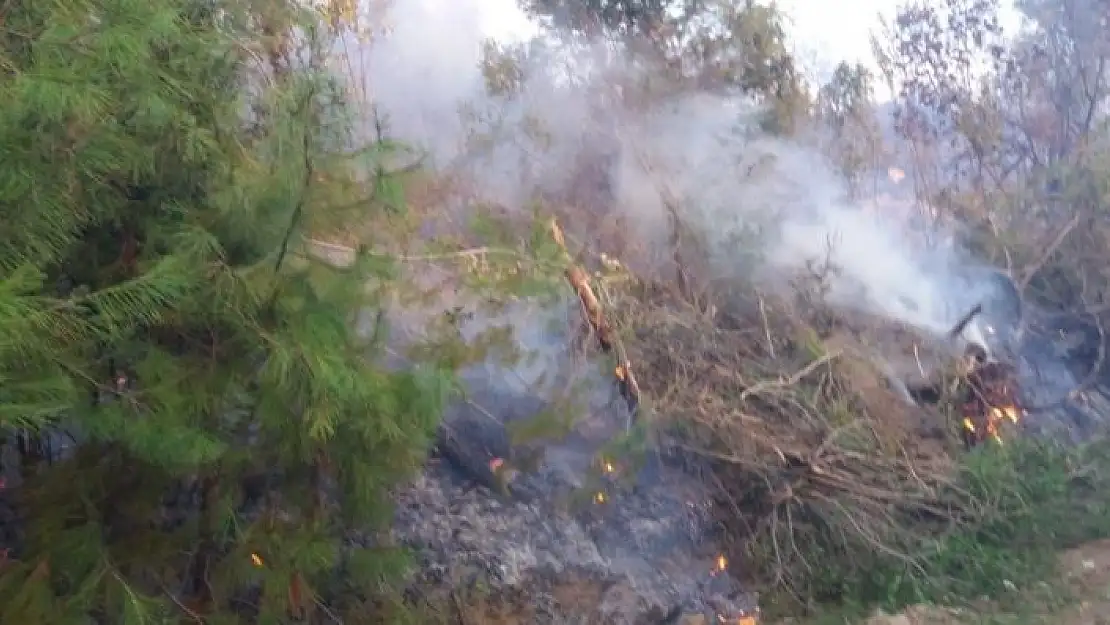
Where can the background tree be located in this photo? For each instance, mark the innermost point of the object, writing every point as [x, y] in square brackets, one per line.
[849, 92]
[934, 56]
[845, 105]
[1055, 79]
[158, 309]
[709, 45]
[1008, 134]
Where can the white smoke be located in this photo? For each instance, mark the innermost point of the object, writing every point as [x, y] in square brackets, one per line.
[767, 207]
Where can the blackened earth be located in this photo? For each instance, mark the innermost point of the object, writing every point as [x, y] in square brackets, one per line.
[646, 553]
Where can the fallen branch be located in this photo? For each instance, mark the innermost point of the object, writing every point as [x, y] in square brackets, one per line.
[610, 343]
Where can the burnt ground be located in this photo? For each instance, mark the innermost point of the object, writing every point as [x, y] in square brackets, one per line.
[544, 550]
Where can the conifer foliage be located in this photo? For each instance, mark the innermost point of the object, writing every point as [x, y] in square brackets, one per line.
[196, 421]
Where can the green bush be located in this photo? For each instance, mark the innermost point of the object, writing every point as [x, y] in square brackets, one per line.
[156, 303]
[1035, 498]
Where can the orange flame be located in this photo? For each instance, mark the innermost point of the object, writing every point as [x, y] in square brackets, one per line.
[1007, 413]
[599, 498]
[995, 419]
[256, 560]
[720, 565]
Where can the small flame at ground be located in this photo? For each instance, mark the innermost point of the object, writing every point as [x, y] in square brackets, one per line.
[256, 560]
[599, 497]
[995, 418]
[1009, 413]
[720, 565]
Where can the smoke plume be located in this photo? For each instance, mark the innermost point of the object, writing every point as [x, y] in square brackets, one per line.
[767, 208]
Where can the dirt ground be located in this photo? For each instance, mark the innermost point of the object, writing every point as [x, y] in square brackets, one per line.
[1082, 598]
[1087, 573]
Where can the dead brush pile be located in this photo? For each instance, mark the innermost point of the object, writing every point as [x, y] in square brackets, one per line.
[821, 468]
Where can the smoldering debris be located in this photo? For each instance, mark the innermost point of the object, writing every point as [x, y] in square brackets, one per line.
[645, 542]
[647, 548]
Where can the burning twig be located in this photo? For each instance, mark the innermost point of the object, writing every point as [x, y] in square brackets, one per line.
[608, 340]
[990, 402]
[720, 565]
[992, 424]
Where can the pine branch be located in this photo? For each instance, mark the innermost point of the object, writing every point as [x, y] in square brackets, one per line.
[306, 182]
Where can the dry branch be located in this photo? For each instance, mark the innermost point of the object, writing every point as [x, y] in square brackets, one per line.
[608, 340]
[811, 449]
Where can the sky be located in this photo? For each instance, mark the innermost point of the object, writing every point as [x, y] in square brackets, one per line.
[826, 33]
[820, 28]
[504, 21]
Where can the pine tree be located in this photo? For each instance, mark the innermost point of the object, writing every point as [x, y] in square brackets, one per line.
[226, 423]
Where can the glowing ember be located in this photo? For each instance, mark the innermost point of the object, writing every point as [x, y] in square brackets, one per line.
[995, 419]
[743, 619]
[256, 559]
[1009, 413]
[721, 564]
[599, 498]
[608, 466]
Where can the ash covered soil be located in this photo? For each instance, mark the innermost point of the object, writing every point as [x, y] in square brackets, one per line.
[561, 544]
[543, 551]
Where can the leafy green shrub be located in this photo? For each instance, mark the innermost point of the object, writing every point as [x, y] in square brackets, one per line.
[157, 303]
[1036, 497]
